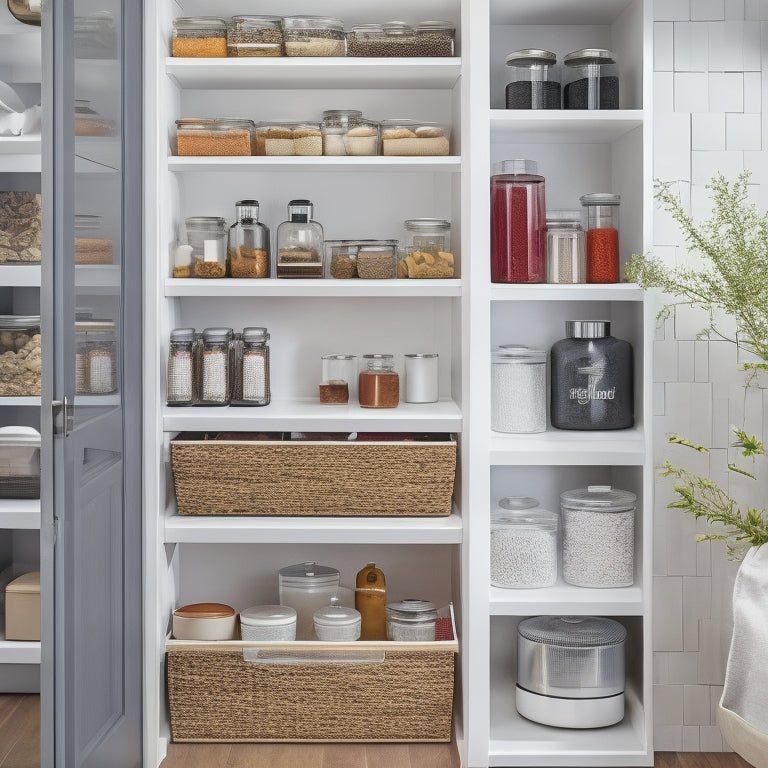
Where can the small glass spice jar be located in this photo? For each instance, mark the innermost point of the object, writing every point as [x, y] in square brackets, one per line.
[268, 622]
[313, 36]
[207, 236]
[602, 214]
[566, 248]
[591, 80]
[199, 37]
[337, 623]
[180, 381]
[519, 390]
[411, 620]
[255, 36]
[338, 382]
[248, 250]
[300, 243]
[598, 536]
[523, 544]
[250, 368]
[214, 367]
[421, 378]
[379, 384]
[535, 82]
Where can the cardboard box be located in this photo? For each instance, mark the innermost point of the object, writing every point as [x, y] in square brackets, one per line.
[22, 608]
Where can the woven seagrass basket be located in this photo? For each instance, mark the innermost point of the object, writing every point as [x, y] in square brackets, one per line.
[394, 479]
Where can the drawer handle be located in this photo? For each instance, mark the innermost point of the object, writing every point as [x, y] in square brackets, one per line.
[265, 656]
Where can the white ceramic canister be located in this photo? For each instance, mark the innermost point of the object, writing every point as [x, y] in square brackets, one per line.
[337, 623]
[268, 622]
[204, 621]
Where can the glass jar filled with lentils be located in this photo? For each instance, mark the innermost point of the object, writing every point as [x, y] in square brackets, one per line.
[313, 36]
[199, 37]
[255, 36]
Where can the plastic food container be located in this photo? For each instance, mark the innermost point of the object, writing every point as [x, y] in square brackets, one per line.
[523, 544]
[534, 82]
[20, 355]
[396, 38]
[346, 132]
[411, 138]
[19, 463]
[207, 236]
[91, 246]
[255, 36]
[21, 227]
[566, 248]
[337, 623]
[571, 671]
[288, 138]
[598, 536]
[307, 587]
[591, 80]
[313, 36]
[268, 622]
[427, 249]
[602, 215]
[199, 37]
[411, 620]
[300, 243]
[204, 621]
[519, 390]
[204, 137]
[95, 357]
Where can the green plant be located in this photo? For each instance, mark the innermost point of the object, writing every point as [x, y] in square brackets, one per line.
[732, 279]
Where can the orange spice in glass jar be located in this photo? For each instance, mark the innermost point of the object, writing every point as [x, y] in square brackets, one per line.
[379, 384]
[602, 237]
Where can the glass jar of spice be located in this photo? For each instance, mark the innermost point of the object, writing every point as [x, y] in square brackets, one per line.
[591, 80]
[535, 83]
[179, 384]
[334, 125]
[255, 36]
[379, 383]
[248, 249]
[602, 213]
[566, 248]
[207, 237]
[199, 37]
[214, 367]
[250, 368]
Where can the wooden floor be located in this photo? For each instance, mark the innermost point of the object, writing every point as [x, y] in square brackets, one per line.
[19, 731]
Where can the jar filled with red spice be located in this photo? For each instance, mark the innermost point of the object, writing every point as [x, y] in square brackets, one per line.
[379, 383]
[602, 225]
[518, 223]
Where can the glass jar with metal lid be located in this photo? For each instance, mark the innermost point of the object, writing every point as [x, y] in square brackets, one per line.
[199, 37]
[341, 369]
[268, 622]
[535, 81]
[250, 368]
[411, 620]
[519, 390]
[255, 36]
[337, 623]
[213, 379]
[95, 357]
[430, 235]
[313, 36]
[426, 249]
[566, 248]
[523, 544]
[307, 587]
[20, 355]
[396, 38]
[602, 214]
[591, 80]
[598, 536]
[248, 244]
[180, 387]
[206, 137]
[379, 384]
[207, 236]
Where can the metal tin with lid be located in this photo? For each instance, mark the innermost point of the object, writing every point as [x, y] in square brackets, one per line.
[268, 622]
[421, 377]
[337, 623]
[535, 81]
[591, 79]
[411, 620]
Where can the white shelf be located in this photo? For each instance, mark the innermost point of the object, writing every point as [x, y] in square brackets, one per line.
[562, 598]
[303, 73]
[18, 651]
[563, 126]
[307, 164]
[311, 530]
[542, 292]
[20, 514]
[621, 447]
[330, 288]
[311, 416]
[18, 275]
[26, 401]
[20, 154]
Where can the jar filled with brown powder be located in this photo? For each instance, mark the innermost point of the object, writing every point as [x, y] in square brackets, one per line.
[379, 384]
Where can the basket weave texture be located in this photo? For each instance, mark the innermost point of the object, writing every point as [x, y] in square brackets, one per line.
[215, 695]
[407, 479]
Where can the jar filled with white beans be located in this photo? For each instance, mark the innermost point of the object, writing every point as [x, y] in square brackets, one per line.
[518, 390]
[523, 544]
[598, 536]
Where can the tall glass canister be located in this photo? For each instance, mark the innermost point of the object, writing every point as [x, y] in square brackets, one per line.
[534, 81]
[566, 248]
[213, 380]
[248, 251]
[602, 214]
[179, 384]
[250, 364]
[300, 243]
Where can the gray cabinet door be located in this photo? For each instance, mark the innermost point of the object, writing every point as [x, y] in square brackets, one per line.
[91, 566]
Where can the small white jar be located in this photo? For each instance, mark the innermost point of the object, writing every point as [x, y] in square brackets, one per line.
[421, 381]
[268, 622]
[337, 623]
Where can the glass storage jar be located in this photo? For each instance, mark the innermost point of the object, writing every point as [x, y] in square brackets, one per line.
[379, 384]
[300, 243]
[396, 38]
[523, 544]
[426, 251]
[250, 368]
[199, 37]
[19, 463]
[519, 390]
[307, 587]
[338, 370]
[95, 357]
[180, 380]
[313, 36]
[591, 378]
[566, 248]
[21, 227]
[421, 378]
[207, 237]
[602, 214]
[591, 80]
[598, 536]
[337, 623]
[411, 620]
[411, 138]
[535, 82]
[248, 249]
[334, 124]
[518, 223]
[288, 138]
[255, 36]
[214, 137]
[377, 259]
[91, 246]
[341, 258]
[20, 355]
[213, 379]
[268, 622]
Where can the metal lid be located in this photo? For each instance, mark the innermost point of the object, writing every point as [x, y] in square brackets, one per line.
[268, 616]
[531, 57]
[422, 355]
[19, 322]
[517, 167]
[589, 56]
[247, 210]
[204, 222]
[420, 225]
[599, 498]
[572, 631]
[397, 28]
[255, 335]
[300, 210]
[587, 329]
[520, 355]
[412, 610]
[19, 436]
[565, 217]
[183, 334]
[308, 574]
[337, 357]
[200, 22]
[335, 615]
[377, 356]
[600, 198]
[217, 334]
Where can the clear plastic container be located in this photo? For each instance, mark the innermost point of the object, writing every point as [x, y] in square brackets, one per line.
[339, 372]
[396, 38]
[91, 246]
[213, 379]
[566, 248]
[591, 80]
[199, 37]
[288, 138]
[207, 236]
[268, 623]
[95, 357]
[337, 623]
[250, 368]
[519, 390]
[307, 587]
[426, 251]
[598, 536]
[602, 215]
[248, 247]
[379, 384]
[19, 463]
[20, 355]
[346, 132]
[314, 36]
[255, 36]
[411, 620]
[180, 379]
[523, 544]
[518, 223]
[411, 138]
[216, 137]
[300, 243]
[534, 80]
[341, 258]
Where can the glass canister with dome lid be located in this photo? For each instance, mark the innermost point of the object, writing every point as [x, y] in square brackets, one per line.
[534, 82]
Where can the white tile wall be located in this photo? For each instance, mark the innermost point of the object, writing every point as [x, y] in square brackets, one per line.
[710, 114]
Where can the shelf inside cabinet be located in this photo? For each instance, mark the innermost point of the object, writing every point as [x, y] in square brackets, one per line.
[229, 287]
[576, 292]
[375, 164]
[18, 651]
[98, 279]
[621, 447]
[32, 401]
[302, 73]
[19, 275]
[20, 514]
[185, 529]
[310, 415]
[20, 154]
[563, 126]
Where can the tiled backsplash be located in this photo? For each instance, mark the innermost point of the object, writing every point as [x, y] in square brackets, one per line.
[710, 114]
